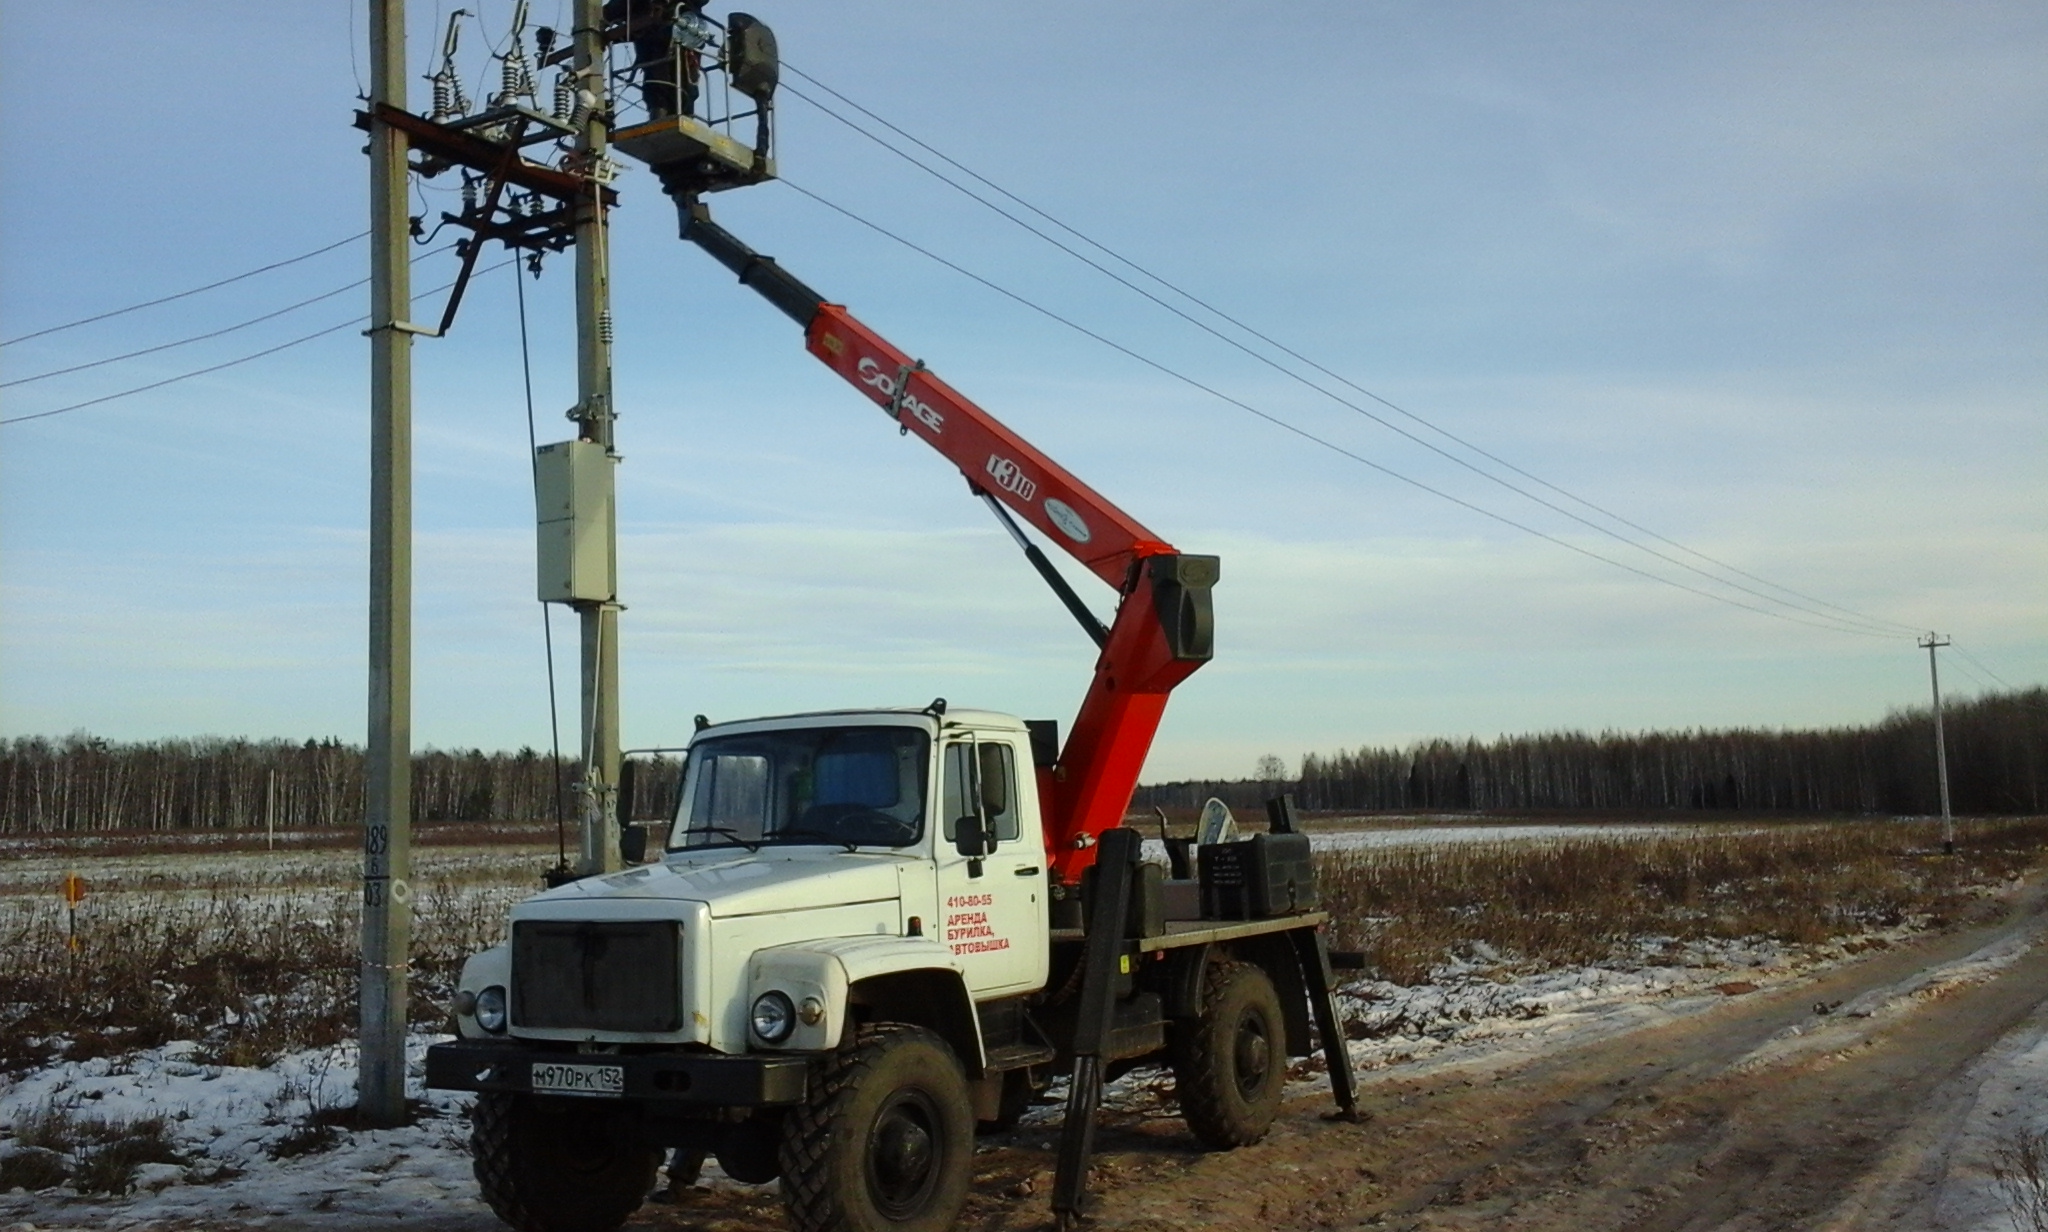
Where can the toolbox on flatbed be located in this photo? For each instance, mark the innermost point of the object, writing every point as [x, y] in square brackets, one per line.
[1262, 876]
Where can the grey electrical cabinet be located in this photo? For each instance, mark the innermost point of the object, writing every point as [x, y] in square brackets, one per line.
[573, 493]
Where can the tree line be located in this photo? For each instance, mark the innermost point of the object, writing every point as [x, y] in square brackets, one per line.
[83, 783]
[1997, 755]
[1997, 761]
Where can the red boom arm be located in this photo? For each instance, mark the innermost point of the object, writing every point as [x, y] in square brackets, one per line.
[1089, 789]
[1162, 630]
[994, 459]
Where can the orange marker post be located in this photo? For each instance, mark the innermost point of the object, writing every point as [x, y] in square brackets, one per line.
[74, 894]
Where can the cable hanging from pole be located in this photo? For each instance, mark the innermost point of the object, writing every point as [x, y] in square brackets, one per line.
[547, 619]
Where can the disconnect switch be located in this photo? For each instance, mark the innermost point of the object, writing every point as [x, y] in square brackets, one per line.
[576, 552]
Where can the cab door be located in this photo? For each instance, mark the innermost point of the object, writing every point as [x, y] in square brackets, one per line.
[992, 909]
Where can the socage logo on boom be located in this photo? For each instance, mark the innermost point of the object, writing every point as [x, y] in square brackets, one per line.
[925, 413]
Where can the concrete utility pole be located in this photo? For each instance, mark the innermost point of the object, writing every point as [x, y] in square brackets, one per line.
[599, 849]
[1948, 822]
[387, 820]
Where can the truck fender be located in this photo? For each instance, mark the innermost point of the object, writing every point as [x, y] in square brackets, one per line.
[895, 979]
[933, 998]
[480, 971]
[1274, 953]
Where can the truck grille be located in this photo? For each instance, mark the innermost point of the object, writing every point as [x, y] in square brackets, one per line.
[597, 975]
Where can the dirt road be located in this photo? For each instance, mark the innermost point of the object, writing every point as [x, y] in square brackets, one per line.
[1760, 1113]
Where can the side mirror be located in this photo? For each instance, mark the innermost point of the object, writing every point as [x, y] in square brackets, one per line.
[632, 843]
[995, 780]
[629, 783]
[971, 837]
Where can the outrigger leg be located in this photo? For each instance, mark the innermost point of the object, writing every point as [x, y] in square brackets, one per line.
[1314, 954]
[1102, 962]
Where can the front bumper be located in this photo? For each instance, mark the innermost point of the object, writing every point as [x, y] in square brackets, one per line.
[670, 1077]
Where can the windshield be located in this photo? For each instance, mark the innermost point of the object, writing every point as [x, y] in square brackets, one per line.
[856, 786]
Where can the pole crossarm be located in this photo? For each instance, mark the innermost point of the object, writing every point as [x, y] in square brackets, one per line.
[454, 146]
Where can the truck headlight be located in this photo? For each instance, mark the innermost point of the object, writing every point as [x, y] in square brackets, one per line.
[774, 1017]
[490, 1009]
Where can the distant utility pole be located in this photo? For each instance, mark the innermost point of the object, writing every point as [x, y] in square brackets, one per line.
[599, 849]
[387, 818]
[1931, 643]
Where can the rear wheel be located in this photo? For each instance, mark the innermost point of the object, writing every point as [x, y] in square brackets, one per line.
[885, 1140]
[1230, 1065]
[548, 1165]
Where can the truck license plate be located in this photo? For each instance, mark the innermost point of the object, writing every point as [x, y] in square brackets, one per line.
[555, 1079]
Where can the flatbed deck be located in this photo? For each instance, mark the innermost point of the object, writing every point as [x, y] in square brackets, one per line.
[1203, 932]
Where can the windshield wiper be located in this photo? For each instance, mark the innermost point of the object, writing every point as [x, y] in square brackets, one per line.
[830, 838]
[752, 845]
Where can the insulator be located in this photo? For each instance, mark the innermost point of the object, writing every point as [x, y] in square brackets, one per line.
[444, 96]
[468, 193]
[508, 77]
[565, 96]
[604, 327]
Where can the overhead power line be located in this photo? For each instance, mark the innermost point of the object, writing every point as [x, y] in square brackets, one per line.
[1276, 421]
[1979, 662]
[241, 325]
[1810, 604]
[216, 333]
[254, 355]
[261, 269]
[1981, 683]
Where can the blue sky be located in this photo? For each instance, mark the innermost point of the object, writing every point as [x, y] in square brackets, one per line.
[1767, 279]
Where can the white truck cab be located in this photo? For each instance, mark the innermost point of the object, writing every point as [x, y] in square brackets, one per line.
[809, 853]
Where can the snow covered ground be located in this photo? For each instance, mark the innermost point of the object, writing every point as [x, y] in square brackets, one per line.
[236, 1128]
[1441, 835]
[2012, 1095]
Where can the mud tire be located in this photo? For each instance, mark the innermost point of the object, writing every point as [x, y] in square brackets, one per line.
[552, 1166]
[1230, 1064]
[885, 1140]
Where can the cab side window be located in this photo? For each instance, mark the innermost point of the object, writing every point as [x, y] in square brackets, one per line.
[958, 789]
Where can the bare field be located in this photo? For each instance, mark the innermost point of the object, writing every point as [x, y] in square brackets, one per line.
[223, 967]
[249, 952]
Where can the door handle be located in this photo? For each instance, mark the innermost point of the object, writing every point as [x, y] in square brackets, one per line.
[1028, 871]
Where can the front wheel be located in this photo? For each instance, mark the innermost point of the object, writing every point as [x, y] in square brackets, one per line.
[552, 1165]
[885, 1140]
[1230, 1065]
